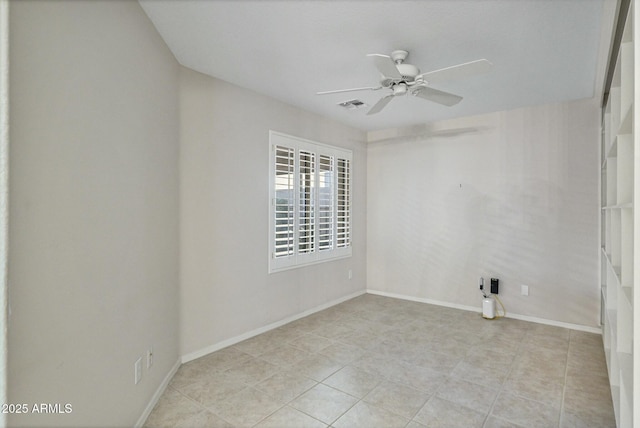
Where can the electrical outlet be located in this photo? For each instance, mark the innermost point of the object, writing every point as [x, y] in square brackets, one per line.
[524, 290]
[137, 368]
[149, 357]
[350, 274]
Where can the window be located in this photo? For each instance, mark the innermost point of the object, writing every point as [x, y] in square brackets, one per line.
[310, 202]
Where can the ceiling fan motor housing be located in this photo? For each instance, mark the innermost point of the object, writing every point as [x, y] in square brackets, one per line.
[408, 71]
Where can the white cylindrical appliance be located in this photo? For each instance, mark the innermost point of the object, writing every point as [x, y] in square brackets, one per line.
[489, 308]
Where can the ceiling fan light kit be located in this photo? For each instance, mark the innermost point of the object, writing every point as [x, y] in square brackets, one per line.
[402, 78]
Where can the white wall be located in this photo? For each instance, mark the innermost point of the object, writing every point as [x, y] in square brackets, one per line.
[515, 196]
[224, 163]
[93, 253]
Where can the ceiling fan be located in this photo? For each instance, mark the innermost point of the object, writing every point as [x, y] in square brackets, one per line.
[402, 78]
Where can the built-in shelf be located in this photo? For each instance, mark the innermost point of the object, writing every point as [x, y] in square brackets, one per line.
[615, 397]
[628, 294]
[627, 122]
[620, 223]
[612, 319]
[627, 205]
[626, 365]
[615, 270]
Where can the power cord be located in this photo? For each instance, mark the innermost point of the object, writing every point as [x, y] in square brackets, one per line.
[504, 311]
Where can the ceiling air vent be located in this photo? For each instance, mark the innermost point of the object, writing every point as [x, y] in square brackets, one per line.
[352, 104]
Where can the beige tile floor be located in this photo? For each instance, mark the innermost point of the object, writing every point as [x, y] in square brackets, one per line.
[380, 362]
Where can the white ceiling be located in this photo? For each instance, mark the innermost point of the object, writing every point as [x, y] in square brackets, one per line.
[543, 51]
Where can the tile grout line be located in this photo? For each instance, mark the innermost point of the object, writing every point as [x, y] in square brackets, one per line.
[203, 408]
[286, 403]
[501, 389]
[564, 386]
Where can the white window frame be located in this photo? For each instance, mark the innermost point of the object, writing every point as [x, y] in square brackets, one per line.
[341, 203]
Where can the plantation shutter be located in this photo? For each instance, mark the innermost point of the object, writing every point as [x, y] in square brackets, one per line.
[325, 203]
[310, 193]
[344, 203]
[306, 213]
[284, 202]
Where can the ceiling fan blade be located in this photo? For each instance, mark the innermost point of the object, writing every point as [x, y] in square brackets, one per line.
[440, 97]
[377, 107]
[386, 66]
[350, 90]
[456, 71]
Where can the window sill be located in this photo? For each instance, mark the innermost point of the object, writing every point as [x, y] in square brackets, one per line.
[276, 269]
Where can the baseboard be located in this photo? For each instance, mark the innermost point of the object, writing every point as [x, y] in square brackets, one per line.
[545, 321]
[423, 300]
[157, 394]
[248, 335]
[570, 326]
